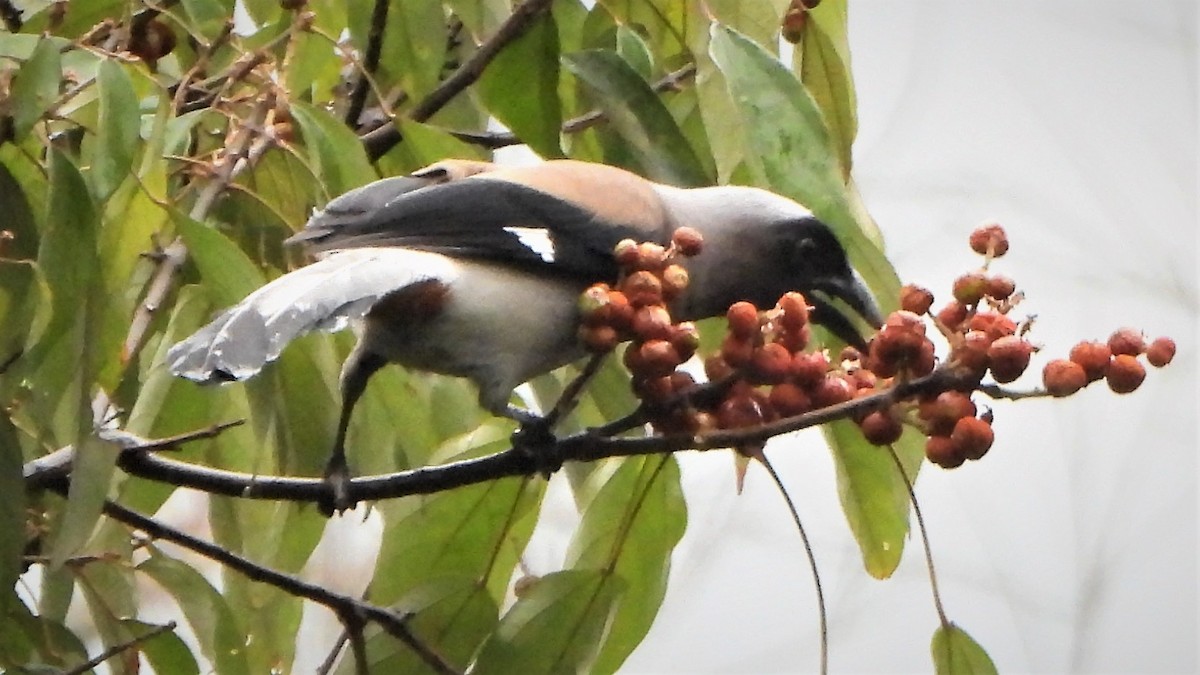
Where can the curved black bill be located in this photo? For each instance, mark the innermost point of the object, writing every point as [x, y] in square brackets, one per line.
[854, 292]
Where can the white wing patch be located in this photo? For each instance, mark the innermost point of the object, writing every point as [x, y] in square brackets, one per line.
[535, 239]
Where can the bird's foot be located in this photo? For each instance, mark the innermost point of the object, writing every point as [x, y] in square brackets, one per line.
[534, 438]
[337, 483]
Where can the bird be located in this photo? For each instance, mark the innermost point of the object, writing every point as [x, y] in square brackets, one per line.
[474, 269]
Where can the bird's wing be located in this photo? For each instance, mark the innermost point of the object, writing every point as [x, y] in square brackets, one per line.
[325, 295]
[558, 217]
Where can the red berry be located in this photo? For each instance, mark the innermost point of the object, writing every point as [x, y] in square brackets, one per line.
[599, 339]
[1094, 357]
[688, 241]
[989, 237]
[1063, 377]
[795, 340]
[970, 287]
[652, 322]
[1000, 287]
[626, 254]
[770, 364]
[973, 437]
[620, 311]
[658, 359]
[717, 368]
[794, 311]
[995, 325]
[740, 411]
[736, 351]
[651, 256]
[809, 368]
[642, 288]
[1009, 357]
[952, 315]
[833, 389]
[915, 299]
[674, 281]
[789, 399]
[743, 319]
[686, 339]
[1125, 373]
[1160, 352]
[941, 413]
[1127, 341]
[972, 352]
[792, 28]
[879, 427]
[942, 451]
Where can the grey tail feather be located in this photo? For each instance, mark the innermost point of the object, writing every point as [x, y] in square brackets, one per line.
[325, 295]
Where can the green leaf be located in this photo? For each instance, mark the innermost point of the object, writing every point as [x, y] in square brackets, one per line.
[12, 510]
[556, 626]
[634, 51]
[873, 494]
[956, 653]
[628, 532]
[36, 86]
[791, 151]
[35, 641]
[824, 55]
[481, 17]
[658, 147]
[117, 133]
[454, 615]
[228, 273]
[424, 144]
[530, 110]
[216, 627]
[336, 154]
[165, 652]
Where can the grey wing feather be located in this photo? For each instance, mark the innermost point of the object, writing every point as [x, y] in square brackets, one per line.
[325, 295]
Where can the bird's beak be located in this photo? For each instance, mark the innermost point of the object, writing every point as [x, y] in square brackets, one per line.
[853, 291]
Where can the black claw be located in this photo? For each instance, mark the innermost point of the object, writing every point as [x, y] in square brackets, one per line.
[337, 495]
[534, 438]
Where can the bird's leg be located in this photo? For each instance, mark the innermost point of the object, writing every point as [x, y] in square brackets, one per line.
[535, 439]
[357, 370]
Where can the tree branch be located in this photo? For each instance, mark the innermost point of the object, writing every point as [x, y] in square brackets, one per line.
[358, 97]
[379, 141]
[586, 446]
[118, 648]
[395, 624]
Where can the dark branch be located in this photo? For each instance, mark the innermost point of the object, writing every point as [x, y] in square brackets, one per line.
[586, 447]
[342, 605]
[379, 141]
[503, 139]
[358, 97]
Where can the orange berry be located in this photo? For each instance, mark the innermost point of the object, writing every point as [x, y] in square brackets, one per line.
[915, 299]
[1009, 357]
[809, 368]
[658, 359]
[879, 427]
[651, 256]
[686, 339]
[952, 315]
[995, 325]
[736, 351]
[989, 237]
[626, 254]
[1127, 341]
[794, 311]
[740, 411]
[942, 451]
[942, 412]
[1094, 357]
[599, 339]
[973, 437]
[1160, 352]
[831, 390]
[674, 281]
[789, 399]
[770, 364]
[1000, 287]
[642, 288]
[717, 368]
[972, 352]
[1125, 373]
[688, 241]
[652, 322]
[1063, 377]
[743, 319]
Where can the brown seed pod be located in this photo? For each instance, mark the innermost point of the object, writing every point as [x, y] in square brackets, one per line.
[1125, 373]
[880, 427]
[1160, 352]
[973, 437]
[1063, 377]
[1009, 357]
[916, 299]
[1127, 341]
[991, 238]
[1093, 356]
[942, 451]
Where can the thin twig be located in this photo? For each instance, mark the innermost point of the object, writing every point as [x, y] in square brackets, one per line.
[342, 605]
[118, 648]
[570, 396]
[504, 139]
[912, 497]
[995, 391]
[358, 96]
[331, 659]
[812, 559]
[379, 141]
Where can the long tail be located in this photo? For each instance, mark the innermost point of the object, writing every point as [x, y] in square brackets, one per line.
[325, 295]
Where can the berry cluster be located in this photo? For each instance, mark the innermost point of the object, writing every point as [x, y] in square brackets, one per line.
[636, 310]
[763, 371]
